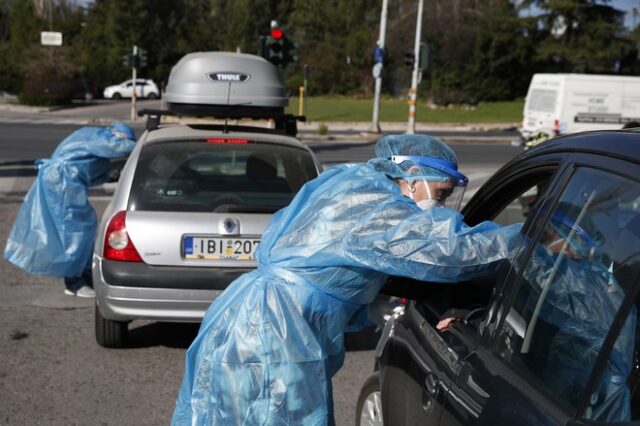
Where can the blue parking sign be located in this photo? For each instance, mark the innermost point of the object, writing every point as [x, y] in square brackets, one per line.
[378, 54]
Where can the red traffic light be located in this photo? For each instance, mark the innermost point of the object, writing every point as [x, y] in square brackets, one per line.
[277, 33]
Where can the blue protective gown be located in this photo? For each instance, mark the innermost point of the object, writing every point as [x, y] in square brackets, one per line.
[54, 230]
[582, 302]
[269, 344]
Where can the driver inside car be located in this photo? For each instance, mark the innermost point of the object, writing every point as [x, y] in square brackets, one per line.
[575, 298]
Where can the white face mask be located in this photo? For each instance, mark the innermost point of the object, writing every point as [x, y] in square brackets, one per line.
[428, 204]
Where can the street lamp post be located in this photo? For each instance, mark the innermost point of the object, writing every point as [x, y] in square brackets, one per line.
[413, 92]
[375, 121]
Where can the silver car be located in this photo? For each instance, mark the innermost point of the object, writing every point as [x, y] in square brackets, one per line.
[186, 219]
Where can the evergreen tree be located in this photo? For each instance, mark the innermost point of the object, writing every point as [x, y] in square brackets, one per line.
[580, 36]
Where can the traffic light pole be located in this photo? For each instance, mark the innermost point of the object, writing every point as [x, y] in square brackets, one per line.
[133, 77]
[413, 92]
[375, 121]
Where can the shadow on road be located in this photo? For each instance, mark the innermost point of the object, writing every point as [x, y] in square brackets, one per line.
[172, 335]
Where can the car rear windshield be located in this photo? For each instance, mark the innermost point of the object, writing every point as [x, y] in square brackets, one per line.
[218, 176]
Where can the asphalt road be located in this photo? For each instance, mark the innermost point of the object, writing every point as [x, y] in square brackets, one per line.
[53, 372]
[25, 141]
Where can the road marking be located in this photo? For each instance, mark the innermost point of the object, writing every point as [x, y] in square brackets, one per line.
[75, 121]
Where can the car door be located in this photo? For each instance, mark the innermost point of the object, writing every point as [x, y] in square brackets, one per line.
[127, 89]
[558, 344]
[418, 362]
[141, 89]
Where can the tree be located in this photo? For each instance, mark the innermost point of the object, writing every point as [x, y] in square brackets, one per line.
[580, 35]
[21, 32]
[167, 29]
[336, 40]
[502, 63]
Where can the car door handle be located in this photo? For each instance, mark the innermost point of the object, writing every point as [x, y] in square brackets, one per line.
[430, 393]
[432, 384]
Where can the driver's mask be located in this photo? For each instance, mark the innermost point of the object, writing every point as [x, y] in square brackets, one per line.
[555, 246]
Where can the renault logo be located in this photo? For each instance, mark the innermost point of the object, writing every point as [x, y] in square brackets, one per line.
[230, 225]
[228, 77]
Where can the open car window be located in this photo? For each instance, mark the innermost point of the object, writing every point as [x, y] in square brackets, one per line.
[512, 202]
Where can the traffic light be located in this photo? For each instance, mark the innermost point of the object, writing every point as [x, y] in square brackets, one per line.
[409, 59]
[275, 47]
[289, 55]
[143, 56]
[126, 60]
[426, 54]
[278, 49]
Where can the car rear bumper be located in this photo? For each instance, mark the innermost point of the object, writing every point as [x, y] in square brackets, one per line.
[128, 291]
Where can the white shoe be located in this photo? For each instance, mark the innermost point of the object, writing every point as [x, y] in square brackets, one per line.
[84, 291]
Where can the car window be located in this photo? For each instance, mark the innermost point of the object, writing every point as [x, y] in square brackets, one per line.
[571, 288]
[508, 203]
[512, 200]
[205, 177]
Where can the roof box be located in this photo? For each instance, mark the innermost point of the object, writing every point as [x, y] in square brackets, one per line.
[225, 85]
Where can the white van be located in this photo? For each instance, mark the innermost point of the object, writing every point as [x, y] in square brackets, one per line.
[569, 103]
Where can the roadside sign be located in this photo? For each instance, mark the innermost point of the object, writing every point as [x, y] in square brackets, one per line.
[50, 38]
[376, 71]
[378, 55]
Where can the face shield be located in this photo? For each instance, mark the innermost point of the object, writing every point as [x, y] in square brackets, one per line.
[568, 233]
[444, 188]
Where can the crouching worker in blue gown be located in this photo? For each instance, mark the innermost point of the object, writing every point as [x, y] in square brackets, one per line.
[54, 231]
[269, 345]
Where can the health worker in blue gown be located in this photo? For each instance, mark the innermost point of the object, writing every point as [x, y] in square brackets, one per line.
[54, 231]
[270, 343]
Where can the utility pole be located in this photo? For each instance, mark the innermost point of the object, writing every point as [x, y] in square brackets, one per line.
[133, 79]
[51, 28]
[375, 121]
[411, 127]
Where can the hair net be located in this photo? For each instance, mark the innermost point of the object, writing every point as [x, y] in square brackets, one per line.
[122, 131]
[403, 146]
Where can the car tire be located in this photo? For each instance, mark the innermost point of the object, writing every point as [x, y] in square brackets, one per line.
[152, 96]
[109, 333]
[116, 96]
[369, 406]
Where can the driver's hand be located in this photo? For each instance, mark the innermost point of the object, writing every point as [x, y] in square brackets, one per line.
[443, 324]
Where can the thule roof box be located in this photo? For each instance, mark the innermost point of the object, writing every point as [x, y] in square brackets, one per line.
[225, 85]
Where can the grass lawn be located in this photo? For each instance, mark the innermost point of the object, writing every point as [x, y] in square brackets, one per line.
[322, 108]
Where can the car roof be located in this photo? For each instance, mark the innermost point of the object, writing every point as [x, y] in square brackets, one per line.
[623, 144]
[195, 131]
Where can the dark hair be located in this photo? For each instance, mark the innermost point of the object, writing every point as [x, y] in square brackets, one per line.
[631, 124]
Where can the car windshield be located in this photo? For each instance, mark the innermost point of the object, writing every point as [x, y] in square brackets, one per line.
[218, 176]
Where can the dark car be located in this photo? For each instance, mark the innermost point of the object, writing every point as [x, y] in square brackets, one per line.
[552, 337]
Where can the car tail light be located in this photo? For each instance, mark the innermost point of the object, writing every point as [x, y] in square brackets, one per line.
[234, 141]
[117, 244]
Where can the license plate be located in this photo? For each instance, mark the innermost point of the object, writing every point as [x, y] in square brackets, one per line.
[219, 248]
